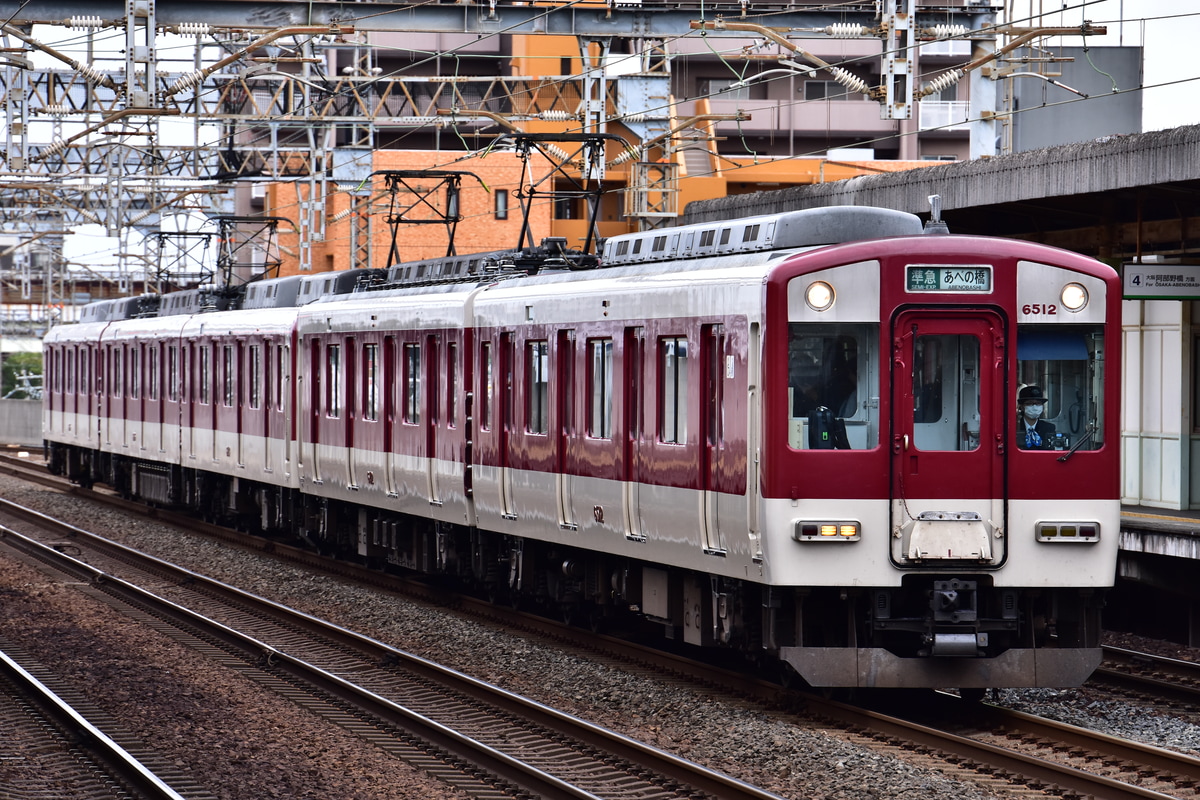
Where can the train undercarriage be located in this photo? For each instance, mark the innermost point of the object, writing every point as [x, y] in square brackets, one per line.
[940, 629]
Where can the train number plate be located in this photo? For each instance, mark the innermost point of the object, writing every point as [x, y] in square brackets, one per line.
[940, 278]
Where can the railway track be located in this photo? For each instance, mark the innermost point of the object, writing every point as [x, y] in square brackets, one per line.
[60, 751]
[1011, 748]
[471, 734]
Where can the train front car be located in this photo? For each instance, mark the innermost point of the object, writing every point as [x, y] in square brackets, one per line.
[940, 468]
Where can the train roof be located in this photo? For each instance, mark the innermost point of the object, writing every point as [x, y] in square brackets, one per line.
[813, 227]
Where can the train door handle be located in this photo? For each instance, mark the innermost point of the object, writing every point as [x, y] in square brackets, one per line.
[900, 443]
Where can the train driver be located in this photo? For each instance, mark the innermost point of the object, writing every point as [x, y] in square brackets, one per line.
[1033, 432]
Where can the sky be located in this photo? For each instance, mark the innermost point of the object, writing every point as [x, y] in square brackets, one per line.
[1168, 30]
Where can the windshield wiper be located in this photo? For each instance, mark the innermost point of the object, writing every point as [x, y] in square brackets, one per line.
[1091, 429]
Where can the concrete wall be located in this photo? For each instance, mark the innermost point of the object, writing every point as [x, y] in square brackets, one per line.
[21, 422]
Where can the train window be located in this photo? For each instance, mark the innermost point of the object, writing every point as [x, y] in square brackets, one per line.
[410, 410]
[1067, 364]
[945, 392]
[152, 370]
[600, 388]
[333, 380]
[707, 237]
[204, 375]
[254, 389]
[68, 370]
[834, 367]
[537, 386]
[672, 389]
[452, 385]
[228, 365]
[117, 371]
[173, 373]
[660, 244]
[135, 374]
[280, 378]
[725, 232]
[83, 373]
[487, 377]
[370, 388]
[750, 234]
[622, 247]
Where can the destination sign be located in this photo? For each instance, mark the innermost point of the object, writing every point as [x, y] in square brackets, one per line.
[941, 278]
[1158, 281]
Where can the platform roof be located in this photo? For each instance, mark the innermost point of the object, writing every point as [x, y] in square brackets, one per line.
[1112, 198]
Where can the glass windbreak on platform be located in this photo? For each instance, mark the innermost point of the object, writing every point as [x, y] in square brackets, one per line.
[1059, 397]
[833, 385]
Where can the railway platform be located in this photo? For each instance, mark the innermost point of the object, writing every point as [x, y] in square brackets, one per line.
[1158, 574]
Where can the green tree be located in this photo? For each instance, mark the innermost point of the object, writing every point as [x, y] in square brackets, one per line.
[15, 365]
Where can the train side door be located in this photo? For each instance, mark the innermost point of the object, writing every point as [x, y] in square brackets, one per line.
[634, 378]
[564, 382]
[948, 447]
[505, 418]
[712, 378]
[433, 397]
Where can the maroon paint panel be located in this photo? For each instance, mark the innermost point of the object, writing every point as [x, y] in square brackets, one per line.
[791, 473]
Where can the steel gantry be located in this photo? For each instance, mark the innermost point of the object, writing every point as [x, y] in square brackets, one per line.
[138, 110]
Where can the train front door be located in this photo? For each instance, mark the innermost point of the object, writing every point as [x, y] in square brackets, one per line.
[949, 409]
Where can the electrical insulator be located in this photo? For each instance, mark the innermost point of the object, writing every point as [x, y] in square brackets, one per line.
[85, 23]
[946, 31]
[845, 30]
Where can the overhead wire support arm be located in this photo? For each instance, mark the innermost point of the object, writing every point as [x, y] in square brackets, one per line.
[449, 214]
[1022, 36]
[591, 146]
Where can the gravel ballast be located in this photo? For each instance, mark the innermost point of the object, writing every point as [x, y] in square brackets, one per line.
[241, 742]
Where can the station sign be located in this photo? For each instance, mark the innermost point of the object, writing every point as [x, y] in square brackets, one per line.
[1161, 281]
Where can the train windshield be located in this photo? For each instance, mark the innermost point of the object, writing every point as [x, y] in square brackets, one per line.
[1059, 394]
[833, 385]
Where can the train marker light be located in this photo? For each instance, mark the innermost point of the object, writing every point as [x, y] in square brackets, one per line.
[1068, 532]
[826, 531]
[819, 295]
[1074, 297]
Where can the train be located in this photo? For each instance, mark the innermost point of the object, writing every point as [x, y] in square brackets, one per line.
[793, 437]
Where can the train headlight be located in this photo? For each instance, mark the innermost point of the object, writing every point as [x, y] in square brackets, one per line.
[819, 296]
[807, 530]
[1068, 531]
[1074, 296]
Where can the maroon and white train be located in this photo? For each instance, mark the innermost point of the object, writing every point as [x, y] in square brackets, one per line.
[793, 435]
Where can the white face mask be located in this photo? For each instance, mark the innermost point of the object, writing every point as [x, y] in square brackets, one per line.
[1034, 411]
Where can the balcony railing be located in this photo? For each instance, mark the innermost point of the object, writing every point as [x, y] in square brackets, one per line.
[952, 115]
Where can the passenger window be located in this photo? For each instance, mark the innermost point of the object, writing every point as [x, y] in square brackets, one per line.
[1066, 365]
[537, 387]
[672, 389]
[600, 388]
[833, 385]
[410, 411]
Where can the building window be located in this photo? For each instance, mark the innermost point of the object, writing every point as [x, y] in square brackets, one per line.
[829, 90]
[537, 387]
[501, 200]
[600, 387]
[672, 389]
[410, 411]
